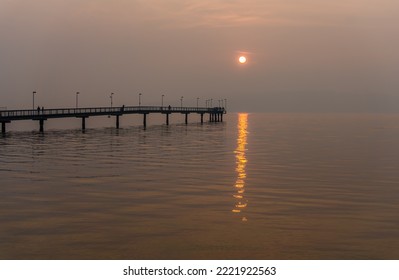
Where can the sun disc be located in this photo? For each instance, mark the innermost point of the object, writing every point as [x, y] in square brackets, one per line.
[242, 59]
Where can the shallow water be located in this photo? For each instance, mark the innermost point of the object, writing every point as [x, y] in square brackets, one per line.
[258, 186]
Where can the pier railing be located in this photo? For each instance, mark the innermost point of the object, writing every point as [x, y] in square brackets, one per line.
[41, 114]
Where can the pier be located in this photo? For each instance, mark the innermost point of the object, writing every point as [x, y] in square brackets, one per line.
[215, 114]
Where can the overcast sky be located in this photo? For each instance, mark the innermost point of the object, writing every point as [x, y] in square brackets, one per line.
[303, 55]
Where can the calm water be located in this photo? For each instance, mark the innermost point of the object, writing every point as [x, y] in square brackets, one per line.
[259, 186]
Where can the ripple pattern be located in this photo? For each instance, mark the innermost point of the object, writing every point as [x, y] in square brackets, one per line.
[304, 186]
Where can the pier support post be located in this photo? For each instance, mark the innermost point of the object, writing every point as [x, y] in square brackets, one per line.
[210, 117]
[167, 119]
[202, 118]
[145, 120]
[83, 123]
[3, 127]
[41, 122]
[186, 119]
[117, 121]
[221, 117]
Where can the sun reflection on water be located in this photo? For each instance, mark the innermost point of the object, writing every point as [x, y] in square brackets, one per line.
[240, 201]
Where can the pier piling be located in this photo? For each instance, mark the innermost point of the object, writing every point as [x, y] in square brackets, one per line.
[83, 123]
[41, 123]
[145, 120]
[117, 121]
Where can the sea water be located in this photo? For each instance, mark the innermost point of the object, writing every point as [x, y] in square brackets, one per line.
[257, 186]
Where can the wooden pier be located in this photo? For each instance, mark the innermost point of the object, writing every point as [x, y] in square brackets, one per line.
[41, 115]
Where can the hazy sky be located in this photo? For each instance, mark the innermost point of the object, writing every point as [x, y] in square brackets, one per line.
[303, 55]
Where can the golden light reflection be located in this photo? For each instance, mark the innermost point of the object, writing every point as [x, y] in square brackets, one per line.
[241, 161]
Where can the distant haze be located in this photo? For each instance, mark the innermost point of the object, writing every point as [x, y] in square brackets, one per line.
[303, 55]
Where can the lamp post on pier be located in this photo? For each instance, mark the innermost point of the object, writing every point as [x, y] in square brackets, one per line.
[139, 99]
[111, 98]
[211, 102]
[197, 101]
[181, 102]
[33, 101]
[77, 99]
[162, 100]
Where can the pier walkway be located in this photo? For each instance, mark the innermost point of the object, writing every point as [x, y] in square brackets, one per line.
[41, 115]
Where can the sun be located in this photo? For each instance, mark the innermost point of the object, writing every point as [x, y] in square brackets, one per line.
[242, 59]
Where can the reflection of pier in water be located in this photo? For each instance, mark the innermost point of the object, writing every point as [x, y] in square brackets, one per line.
[241, 161]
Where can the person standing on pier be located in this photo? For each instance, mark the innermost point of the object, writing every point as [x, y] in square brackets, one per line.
[38, 110]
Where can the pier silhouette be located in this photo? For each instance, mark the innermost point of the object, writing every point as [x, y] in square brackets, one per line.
[42, 114]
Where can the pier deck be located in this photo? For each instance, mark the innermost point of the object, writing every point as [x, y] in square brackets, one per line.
[6, 116]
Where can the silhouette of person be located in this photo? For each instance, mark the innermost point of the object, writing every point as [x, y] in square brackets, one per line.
[38, 109]
[123, 108]
[169, 107]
